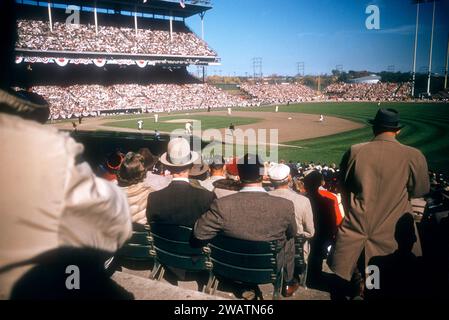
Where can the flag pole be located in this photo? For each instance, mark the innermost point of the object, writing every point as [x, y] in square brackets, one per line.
[430, 53]
[414, 52]
[447, 63]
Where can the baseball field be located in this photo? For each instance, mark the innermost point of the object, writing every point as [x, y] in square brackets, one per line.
[301, 136]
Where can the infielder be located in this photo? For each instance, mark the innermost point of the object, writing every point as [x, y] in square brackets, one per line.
[188, 128]
[140, 124]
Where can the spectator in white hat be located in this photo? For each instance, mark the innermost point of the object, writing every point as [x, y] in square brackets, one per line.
[192, 200]
[280, 177]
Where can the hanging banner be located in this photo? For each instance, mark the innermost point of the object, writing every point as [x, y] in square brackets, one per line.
[141, 63]
[81, 61]
[31, 59]
[99, 62]
[62, 62]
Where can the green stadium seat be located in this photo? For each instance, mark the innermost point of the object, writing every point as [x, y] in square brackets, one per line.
[247, 262]
[138, 249]
[171, 244]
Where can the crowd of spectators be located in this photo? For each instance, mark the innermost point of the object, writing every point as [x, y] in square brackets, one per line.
[71, 101]
[381, 91]
[313, 187]
[279, 93]
[59, 217]
[67, 102]
[36, 35]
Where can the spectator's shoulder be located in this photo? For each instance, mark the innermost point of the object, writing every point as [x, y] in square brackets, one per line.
[158, 193]
[358, 146]
[413, 152]
[197, 187]
[280, 202]
[41, 135]
[354, 150]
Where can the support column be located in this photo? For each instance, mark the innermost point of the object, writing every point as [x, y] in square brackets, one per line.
[171, 27]
[49, 17]
[414, 52]
[135, 20]
[96, 20]
[202, 24]
[430, 53]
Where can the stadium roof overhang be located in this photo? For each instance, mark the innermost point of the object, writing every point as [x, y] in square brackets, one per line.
[157, 7]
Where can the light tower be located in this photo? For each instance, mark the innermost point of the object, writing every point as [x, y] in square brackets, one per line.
[300, 68]
[257, 68]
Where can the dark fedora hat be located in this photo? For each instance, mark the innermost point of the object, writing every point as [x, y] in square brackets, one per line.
[250, 168]
[386, 118]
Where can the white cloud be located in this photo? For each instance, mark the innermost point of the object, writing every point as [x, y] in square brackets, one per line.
[401, 30]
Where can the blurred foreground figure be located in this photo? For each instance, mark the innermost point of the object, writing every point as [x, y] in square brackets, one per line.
[49, 199]
[378, 178]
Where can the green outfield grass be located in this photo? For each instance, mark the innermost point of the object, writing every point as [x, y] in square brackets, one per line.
[426, 128]
[207, 122]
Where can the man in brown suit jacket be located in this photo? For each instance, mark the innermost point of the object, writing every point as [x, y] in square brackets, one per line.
[378, 180]
[252, 214]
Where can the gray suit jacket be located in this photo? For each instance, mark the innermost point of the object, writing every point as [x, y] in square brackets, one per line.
[378, 180]
[255, 216]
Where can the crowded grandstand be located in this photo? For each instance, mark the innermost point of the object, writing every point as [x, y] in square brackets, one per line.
[234, 222]
[151, 38]
[151, 43]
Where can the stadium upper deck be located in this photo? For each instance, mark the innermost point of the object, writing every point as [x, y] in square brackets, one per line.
[111, 32]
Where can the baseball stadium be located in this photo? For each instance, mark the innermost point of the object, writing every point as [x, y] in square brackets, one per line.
[120, 76]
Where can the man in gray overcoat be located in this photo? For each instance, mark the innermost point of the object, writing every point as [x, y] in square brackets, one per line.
[378, 180]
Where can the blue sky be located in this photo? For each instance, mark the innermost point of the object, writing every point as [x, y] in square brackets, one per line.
[322, 34]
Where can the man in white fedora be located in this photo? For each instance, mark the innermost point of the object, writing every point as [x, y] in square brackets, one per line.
[181, 202]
